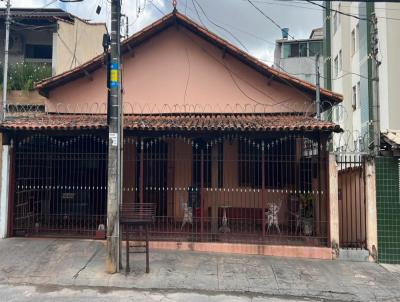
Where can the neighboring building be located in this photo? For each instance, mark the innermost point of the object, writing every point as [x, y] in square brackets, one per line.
[212, 144]
[349, 71]
[51, 36]
[297, 57]
[349, 67]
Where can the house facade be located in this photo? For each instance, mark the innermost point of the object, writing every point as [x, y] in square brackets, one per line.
[227, 148]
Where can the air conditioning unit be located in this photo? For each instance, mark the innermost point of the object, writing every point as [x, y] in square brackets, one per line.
[15, 44]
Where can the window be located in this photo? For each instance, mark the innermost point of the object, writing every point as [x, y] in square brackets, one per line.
[315, 47]
[357, 36]
[353, 42]
[340, 61]
[294, 50]
[279, 160]
[37, 51]
[196, 155]
[303, 49]
[335, 22]
[336, 66]
[336, 19]
[354, 98]
[358, 94]
[286, 50]
[220, 166]
[249, 164]
[291, 50]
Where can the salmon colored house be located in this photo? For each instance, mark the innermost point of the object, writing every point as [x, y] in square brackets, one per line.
[227, 148]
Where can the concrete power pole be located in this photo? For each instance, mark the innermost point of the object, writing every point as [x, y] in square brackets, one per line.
[375, 85]
[114, 193]
[5, 65]
[317, 88]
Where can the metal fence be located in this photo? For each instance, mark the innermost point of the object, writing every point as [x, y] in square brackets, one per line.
[230, 188]
[226, 188]
[60, 185]
[352, 201]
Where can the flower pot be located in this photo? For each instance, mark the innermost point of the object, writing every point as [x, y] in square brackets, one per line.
[308, 226]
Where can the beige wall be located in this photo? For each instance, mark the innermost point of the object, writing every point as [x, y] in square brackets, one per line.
[76, 43]
[177, 67]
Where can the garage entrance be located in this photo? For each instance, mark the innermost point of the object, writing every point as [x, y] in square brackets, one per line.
[60, 185]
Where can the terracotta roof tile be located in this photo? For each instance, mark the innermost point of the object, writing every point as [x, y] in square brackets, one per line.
[172, 122]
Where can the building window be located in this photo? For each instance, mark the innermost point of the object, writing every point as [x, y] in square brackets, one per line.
[358, 94]
[249, 164]
[336, 66]
[220, 166]
[315, 47]
[340, 61]
[336, 19]
[279, 161]
[353, 42]
[196, 168]
[335, 22]
[37, 51]
[303, 49]
[354, 98]
[294, 50]
[357, 36]
[291, 50]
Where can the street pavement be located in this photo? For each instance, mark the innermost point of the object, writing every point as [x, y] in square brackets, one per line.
[40, 269]
[23, 293]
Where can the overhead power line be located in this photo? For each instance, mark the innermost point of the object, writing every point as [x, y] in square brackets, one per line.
[337, 11]
[268, 17]
[219, 26]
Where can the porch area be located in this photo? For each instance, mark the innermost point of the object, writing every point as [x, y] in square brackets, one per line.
[268, 189]
[240, 185]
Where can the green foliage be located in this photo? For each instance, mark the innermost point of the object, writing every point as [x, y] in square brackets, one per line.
[307, 205]
[23, 76]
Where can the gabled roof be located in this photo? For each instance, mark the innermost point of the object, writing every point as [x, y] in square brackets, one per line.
[174, 19]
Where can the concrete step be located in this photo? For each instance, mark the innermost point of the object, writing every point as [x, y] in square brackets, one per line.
[355, 255]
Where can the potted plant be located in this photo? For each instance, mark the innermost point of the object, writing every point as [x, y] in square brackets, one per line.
[100, 232]
[307, 213]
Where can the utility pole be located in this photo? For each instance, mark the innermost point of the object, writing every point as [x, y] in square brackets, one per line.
[317, 88]
[114, 192]
[375, 85]
[5, 65]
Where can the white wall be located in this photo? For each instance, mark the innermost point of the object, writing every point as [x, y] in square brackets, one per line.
[389, 70]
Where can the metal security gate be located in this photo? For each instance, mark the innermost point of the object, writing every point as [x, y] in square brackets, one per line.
[352, 201]
[230, 188]
[60, 185]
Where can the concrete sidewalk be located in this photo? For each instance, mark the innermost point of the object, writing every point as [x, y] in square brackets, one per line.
[81, 263]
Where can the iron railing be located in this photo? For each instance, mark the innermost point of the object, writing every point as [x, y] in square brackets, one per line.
[225, 188]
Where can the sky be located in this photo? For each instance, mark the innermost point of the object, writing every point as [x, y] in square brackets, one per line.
[235, 20]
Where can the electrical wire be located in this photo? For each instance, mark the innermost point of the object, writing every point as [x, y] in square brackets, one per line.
[346, 73]
[268, 17]
[337, 11]
[215, 24]
[233, 75]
